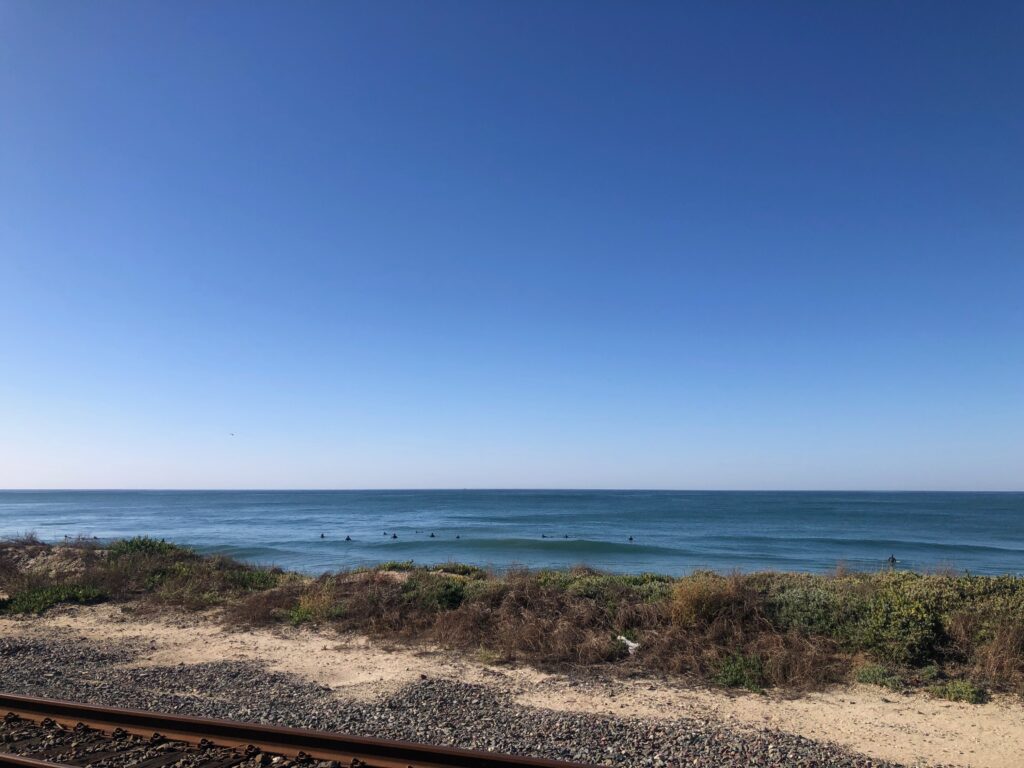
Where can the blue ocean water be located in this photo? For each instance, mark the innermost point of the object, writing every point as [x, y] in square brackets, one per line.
[673, 532]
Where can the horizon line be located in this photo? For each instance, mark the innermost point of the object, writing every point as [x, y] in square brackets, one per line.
[549, 489]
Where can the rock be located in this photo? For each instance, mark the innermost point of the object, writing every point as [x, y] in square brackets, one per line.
[437, 711]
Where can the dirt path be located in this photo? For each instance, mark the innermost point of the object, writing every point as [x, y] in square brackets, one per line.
[909, 729]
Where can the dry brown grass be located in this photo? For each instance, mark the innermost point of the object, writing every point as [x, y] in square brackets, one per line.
[1000, 661]
[751, 630]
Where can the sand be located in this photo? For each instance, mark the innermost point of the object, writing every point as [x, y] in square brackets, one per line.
[913, 729]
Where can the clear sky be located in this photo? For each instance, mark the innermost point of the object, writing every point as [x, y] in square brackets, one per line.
[512, 244]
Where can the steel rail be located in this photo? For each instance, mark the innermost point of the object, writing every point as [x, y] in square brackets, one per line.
[290, 742]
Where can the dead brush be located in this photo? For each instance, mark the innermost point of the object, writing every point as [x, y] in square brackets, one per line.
[716, 620]
[263, 608]
[555, 630]
[721, 607]
[9, 570]
[1000, 661]
[25, 539]
[794, 661]
[526, 619]
[370, 602]
[471, 626]
[639, 616]
[962, 629]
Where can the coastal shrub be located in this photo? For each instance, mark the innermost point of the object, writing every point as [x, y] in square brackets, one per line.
[741, 671]
[533, 617]
[270, 606]
[743, 630]
[793, 630]
[985, 606]
[1000, 661]
[81, 541]
[314, 605]
[817, 606]
[9, 569]
[142, 545]
[959, 690]
[874, 674]
[901, 625]
[38, 600]
[535, 620]
[699, 599]
[434, 592]
[368, 601]
[205, 582]
[24, 539]
[792, 660]
[461, 569]
[300, 614]
[252, 579]
[396, 565]
[929, 674]
[612, 590]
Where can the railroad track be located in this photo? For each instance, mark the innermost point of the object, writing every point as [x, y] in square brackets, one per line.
[44, 733]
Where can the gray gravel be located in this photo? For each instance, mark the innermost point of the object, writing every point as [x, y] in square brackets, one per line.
[431, 711]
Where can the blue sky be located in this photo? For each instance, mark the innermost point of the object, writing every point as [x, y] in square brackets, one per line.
[516, 244]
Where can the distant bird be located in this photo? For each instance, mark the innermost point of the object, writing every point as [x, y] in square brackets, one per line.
[394, 535]
[232, 434]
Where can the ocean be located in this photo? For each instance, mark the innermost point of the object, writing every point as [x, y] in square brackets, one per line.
[672, 532]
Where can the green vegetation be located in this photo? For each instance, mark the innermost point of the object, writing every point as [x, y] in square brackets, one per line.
[36, 600]
[958, 690]
[956, 635]
[143, 545]
[741, 671]
[396, 565]
[873, 674]
[147, 570]
[461, 569]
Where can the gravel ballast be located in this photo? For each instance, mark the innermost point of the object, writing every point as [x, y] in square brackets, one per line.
[442, 712]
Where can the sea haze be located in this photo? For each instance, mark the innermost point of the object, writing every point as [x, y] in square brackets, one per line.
[672, 531]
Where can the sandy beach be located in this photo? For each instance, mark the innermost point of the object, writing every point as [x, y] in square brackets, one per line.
[908, 729]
